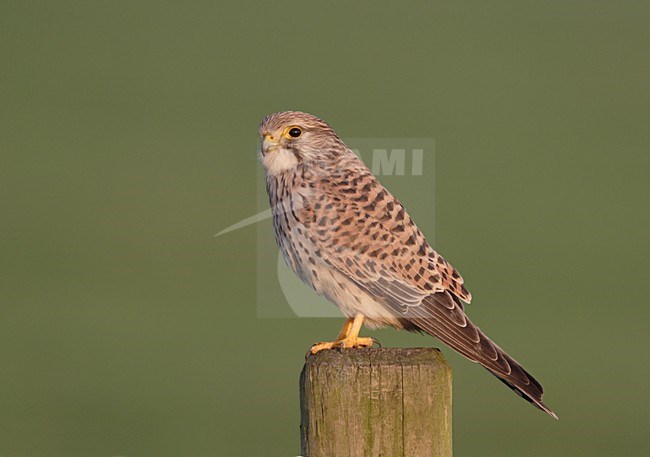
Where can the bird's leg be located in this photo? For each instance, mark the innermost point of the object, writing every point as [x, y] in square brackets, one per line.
[345, 330]
[343, 334]
[348, 337]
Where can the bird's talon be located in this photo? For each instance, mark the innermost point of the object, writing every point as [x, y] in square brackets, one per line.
[346, 343]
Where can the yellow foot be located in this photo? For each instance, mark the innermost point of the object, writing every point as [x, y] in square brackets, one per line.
[345, 343]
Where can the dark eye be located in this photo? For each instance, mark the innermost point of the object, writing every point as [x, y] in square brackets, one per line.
[295, 132]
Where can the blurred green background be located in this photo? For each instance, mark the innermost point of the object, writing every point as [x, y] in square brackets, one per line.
[127, 140]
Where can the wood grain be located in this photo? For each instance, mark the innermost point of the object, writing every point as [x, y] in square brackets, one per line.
[376, 402]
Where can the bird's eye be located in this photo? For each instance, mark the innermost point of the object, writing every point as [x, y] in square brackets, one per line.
[295, 132]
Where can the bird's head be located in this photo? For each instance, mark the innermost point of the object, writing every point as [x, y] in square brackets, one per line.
[292, 137]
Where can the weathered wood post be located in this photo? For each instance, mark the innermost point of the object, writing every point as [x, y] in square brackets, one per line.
[376, 402]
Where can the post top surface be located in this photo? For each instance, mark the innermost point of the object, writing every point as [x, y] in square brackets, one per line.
[379, 356]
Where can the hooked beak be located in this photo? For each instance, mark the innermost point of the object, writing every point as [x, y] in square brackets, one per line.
[269, 144]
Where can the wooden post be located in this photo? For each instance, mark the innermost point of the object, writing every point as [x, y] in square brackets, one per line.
[376, 402]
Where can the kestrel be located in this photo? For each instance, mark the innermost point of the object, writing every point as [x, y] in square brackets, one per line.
[354, 243]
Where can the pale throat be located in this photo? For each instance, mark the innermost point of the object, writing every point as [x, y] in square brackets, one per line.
[279, 161]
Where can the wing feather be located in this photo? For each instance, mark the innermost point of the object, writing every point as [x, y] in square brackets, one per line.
[378, 247]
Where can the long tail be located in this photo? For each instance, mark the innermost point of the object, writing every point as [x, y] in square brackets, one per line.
[443, 318]
[527, 396]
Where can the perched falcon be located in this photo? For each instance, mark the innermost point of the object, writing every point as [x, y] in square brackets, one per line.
[354, 243]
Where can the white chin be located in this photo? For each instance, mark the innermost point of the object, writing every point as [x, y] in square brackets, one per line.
[279, 161]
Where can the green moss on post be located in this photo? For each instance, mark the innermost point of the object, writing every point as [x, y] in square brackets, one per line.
[370, 402]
